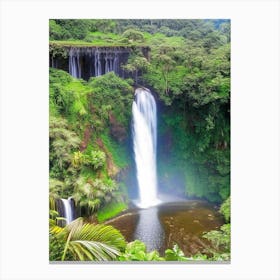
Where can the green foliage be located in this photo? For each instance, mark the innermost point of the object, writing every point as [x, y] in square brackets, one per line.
[133, 35]
[57, 50]
[92, 193]
[136, 251]
[221, 242]
[110, 210]
[56, 32]
[56, 247]
[102, 25]
[196, 92]
[115, 94]
[68, 96]
[175, 254]
[136, 63]
[96, 159]
[117, 150]
[62, 142]
[78, 159]
[85, 242]
[69, 29]
[225, 209]
[58, 188]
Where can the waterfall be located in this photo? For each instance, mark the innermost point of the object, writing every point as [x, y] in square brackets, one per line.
[144, 133]
[67, 207]
[86, 62]
[74, 63]
[97, 64]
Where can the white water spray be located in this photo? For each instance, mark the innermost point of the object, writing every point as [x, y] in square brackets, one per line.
[67, 210]
[145, 144]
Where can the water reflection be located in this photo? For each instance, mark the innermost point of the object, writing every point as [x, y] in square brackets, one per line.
[149, 229]
[160, 227]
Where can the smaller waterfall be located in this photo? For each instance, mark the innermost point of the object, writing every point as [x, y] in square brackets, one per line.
[97, 64]
[67, 207]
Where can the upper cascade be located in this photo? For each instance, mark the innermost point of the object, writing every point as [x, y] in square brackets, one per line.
[96, 61]
[86, 62]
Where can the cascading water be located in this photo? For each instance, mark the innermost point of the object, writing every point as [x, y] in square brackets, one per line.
[68, 213]
[145, 144]
[74, 64]
[94, 62]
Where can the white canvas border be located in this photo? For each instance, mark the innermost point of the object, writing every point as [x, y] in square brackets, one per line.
[24, 138]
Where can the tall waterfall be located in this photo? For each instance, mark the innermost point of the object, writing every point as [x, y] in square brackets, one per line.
[68, 213]
[145, 144]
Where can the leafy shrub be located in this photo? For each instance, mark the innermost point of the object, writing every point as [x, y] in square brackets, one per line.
[73, 28]
[57, 32]
[62, 143]
[175, 254]
[221, 241]
[96, 159]
[225, 209]
[90, 194]
[111, 94]
[68, 96]
[136, 251]
[78, 159]
[133, 35]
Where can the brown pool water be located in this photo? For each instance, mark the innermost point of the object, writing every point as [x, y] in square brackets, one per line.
[162, 226]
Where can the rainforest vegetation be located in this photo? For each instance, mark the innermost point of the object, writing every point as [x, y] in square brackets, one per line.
[187, 68]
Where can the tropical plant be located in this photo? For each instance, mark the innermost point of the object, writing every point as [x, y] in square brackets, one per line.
[136, 63]
[220, 239]
[90, 194]
[62, 142]
[85, 242]
[133, 35]
[96, 159]
[136, 251]
[225, 209]
[175, 254]
[111, 95]
[78, 159]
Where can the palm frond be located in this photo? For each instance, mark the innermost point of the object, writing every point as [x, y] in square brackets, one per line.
[93, 242]
[92, 250]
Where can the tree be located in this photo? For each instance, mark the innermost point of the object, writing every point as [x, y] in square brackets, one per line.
[133, 36]
[136, 63]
